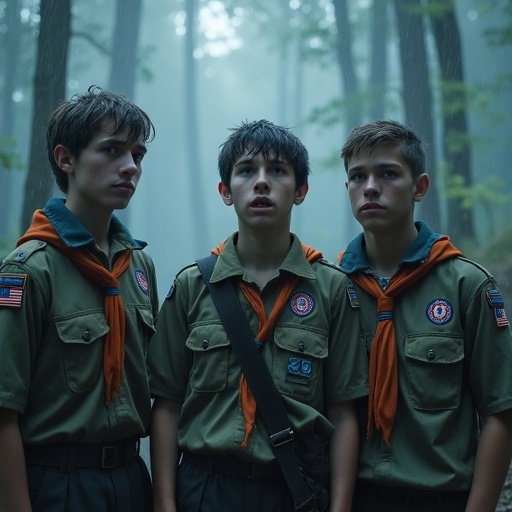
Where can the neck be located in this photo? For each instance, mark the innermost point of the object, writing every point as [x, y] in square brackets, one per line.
[96, 222]
[262, 255]
[386, 251]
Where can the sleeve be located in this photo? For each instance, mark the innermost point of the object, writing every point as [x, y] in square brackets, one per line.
[168, 356]
[21, 327]
[488, 350]
[346, 376]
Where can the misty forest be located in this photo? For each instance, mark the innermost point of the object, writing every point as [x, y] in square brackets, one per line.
[201, 67]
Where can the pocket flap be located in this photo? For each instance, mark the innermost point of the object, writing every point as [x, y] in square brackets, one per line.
[82, 329]
[301, 341]
[435, 349]
[207, 337]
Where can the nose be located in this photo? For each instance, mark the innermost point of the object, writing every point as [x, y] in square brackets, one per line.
[372, 187]
[129, 165]
[261, 182]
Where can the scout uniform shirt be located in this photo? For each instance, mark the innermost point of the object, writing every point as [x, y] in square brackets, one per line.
[454, 351]
[53, 326]
[314, 357]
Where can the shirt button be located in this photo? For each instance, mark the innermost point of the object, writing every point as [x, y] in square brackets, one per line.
[86, 336]
[205, 344]
[431, 355]
[302, 346]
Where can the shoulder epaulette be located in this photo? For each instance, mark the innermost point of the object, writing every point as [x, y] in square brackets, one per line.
[328, 263]
[477, 265]
[24, 251]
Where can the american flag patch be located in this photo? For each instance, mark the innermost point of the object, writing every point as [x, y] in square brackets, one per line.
[501, 317]
[11, 289]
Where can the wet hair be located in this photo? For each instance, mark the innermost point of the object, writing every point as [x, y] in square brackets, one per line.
[368, 136]
[74, 123]
[272, 141]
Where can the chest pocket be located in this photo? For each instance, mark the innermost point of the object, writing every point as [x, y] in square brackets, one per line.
[297, 363]
[210, 353]
[434, 370]
[82, 349]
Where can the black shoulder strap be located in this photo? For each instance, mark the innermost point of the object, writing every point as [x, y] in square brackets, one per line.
[268, 399]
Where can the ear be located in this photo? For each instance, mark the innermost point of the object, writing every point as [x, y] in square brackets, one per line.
[300, 194]
[421, 186]
[63, 158]
[225, 193]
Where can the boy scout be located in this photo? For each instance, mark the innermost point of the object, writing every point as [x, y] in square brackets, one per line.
[78, 302]
[437, 426]
[202, 409]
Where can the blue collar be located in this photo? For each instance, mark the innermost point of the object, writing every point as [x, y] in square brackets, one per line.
[74, 234]
[354, 259]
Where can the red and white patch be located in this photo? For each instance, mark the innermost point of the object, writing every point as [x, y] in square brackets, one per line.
[439, 311]
[142, 281]
[302, 303]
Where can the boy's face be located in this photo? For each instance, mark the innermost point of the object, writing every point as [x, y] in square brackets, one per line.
[382, 190]
[262, 191]
[105, 174]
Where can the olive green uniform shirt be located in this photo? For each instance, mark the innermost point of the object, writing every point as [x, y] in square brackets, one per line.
[454, 362]
[51, 343]
[315, 357]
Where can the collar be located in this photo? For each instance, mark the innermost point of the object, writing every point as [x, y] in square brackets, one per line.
[229, 265]
[74, 234]
[354, 259]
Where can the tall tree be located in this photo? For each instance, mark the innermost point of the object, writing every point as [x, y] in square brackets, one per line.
[123, 64]
[197, 200]
[125, 42]
[416, 93]
[9, 72]
[379, 61]
[345, 56]
[49, 89]
[454, 108]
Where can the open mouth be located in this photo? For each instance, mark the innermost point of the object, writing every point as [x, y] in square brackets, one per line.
[261, 202]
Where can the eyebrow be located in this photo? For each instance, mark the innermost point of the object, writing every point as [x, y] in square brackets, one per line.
[249, 160]
[114, 141]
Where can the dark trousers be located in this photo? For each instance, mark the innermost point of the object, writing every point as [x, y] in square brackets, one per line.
[201, 490]
[377, 498]
[125, 488]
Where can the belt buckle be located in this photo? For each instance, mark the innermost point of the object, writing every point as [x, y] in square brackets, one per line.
[110, 456]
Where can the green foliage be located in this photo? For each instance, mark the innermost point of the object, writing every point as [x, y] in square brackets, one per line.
[9, 159]
[502, 36]
[487, 193]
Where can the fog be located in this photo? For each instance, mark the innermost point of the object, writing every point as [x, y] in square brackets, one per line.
[244, 73]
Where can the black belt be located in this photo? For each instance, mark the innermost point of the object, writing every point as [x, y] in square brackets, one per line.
[68, 456]
[233, 466]
[406, 492]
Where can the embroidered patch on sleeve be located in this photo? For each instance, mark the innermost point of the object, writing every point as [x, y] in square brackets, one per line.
[496, 302]
[11, 289]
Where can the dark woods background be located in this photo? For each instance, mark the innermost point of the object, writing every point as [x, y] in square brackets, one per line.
[199, 67]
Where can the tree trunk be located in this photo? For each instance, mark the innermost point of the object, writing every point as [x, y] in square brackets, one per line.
[49, 89]
[125, 42]
[455, 132]
[379, 61]
[123, 68]
[196, 191]
[417, 95]
[9, 72]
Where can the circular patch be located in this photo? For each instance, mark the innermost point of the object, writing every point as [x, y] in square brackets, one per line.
[142, 281]
[439, 311]
[302, 303]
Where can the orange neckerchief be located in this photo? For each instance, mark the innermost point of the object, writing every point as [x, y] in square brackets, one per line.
[265, 325]
[383, 376]
[113, 351]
